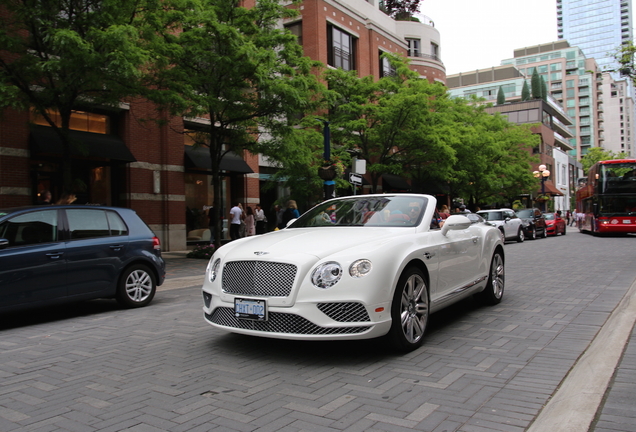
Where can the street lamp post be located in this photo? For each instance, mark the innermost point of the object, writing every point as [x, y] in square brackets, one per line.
[543, 174]
[329, 185]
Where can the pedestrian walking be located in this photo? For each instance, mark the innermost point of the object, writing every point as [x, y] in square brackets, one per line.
[250, 223]
[235, 221]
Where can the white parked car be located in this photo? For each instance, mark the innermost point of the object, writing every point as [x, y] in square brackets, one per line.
[355, 267]
[510, 225]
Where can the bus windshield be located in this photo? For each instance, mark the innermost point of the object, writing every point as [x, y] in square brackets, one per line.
[617, 205]
[617, 178]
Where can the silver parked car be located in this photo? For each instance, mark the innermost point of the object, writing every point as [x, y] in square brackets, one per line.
[510, 225]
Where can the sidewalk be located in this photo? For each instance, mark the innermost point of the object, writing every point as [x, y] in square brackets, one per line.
[182, 272]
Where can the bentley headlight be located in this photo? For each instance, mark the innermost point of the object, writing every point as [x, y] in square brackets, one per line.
[326, 274]
[360, 268]
[214, 269]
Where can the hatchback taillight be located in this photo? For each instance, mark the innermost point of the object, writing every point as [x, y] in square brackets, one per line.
[156, 244]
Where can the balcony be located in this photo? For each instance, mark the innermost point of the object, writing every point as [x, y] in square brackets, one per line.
[562, 143]
[560, 128]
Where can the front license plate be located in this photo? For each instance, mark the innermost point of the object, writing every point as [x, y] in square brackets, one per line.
[251, 309]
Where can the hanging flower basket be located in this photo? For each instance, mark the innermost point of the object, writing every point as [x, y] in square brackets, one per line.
[328, 172]
[542, 198]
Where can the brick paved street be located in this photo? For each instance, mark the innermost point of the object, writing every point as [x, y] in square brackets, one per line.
[95, 367]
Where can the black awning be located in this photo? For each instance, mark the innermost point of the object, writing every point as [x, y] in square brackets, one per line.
[45, 142]
[394, 182]
[200, 158]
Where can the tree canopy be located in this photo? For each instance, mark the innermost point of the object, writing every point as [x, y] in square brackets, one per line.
[395, 122]
[597, 154]
[493, 161]
[64, 56]
[401, 7]
[236, 67]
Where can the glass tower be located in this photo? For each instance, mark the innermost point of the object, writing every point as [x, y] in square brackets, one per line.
[598, 27]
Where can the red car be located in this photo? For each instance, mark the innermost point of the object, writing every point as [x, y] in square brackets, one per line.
[554, 224]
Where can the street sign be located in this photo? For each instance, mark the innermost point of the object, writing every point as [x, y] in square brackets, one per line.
[355, 179]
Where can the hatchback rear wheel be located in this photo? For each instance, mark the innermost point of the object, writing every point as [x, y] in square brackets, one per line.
[137, 286]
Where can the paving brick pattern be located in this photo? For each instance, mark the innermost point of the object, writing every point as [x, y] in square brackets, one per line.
[95, 367]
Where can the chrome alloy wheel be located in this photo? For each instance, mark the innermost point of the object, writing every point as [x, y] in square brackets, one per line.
[139, 285]
[497, 276]
[414, 308]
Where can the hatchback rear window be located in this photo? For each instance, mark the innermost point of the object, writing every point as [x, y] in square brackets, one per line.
[92, 223]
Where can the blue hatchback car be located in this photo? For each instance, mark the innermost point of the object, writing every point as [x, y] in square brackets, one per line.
[61, 253]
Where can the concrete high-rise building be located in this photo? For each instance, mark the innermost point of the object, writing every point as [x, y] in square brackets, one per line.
[575, 81]
[618, 135]
[597, 27]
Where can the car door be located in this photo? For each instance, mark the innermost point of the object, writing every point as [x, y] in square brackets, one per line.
[539, 220]
[458, 260]
[96, 248]
[32, 264]
[511, 224]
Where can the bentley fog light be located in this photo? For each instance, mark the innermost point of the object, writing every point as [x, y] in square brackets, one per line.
[360, 268]
[326, 275]
[214, 270]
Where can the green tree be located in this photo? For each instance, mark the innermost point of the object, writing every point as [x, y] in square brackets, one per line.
[401, 8]
[535, 84]
[69, 55]
[501, 96]
[238, 68]
[525, 91]
[493, 161]
[624, 55]
[597, 154]
[544, 89]
[394, 122]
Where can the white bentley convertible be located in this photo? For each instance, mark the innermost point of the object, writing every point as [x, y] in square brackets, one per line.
[355, 267]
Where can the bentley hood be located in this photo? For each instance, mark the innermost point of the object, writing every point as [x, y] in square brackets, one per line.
[290, 244]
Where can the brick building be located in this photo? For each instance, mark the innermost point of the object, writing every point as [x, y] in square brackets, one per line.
[153, 169]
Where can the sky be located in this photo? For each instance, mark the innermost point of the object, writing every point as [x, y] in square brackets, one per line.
[478, 34]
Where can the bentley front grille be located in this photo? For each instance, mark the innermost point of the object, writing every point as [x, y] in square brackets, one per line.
[345, 312]
[258, 278]
[278, 323]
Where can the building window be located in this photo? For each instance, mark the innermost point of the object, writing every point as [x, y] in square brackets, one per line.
[80, 121]
[386, 68]
[341, 49]
[413, 47]
[297, 30]
[435, 51]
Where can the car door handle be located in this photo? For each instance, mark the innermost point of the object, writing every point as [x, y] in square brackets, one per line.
[429, 255]
[55, 255]
[117, 247]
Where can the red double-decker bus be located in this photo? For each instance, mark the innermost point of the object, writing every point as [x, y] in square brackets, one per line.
[607, 201]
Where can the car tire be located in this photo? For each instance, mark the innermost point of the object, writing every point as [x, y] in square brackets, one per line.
[545, 233]
[520, 235]
[503, 234]
[493, 293]
[533, 234]
[409, 311]
[137, 286]
[564, 229]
